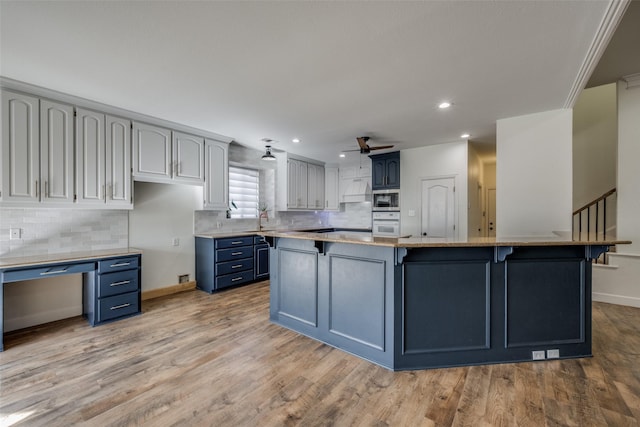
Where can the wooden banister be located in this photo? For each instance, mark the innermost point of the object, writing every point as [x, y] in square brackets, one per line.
[588, 205]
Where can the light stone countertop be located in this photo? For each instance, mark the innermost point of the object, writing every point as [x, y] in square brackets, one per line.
[32, 260]
[425, 242]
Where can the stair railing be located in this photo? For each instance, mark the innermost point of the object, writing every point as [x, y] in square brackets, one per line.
[598, 208]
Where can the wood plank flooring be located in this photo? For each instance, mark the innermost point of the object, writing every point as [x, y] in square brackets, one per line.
[194, 359]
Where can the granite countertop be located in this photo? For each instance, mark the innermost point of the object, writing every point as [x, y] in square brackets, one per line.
[231, 233]
[27, 261]
[425, 242]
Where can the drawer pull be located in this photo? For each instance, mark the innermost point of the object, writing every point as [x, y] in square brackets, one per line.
[236, 243]
[124, 282]
[118, 307]
[236, 266]
[235, 279]
[54, 272]
[120, 264]
[236, 253]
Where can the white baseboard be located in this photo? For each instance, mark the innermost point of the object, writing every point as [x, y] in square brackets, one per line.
[616, 299]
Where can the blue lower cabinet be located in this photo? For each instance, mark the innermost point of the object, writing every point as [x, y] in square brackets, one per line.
[229, 261]
[113, 291]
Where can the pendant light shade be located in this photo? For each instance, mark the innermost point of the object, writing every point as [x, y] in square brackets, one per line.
[267, 155]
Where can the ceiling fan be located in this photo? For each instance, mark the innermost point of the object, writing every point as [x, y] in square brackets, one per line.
[365, 148]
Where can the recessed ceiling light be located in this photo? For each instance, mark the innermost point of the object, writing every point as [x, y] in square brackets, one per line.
[444, 105]
[465, 135]
[343, 155]
[295, 140]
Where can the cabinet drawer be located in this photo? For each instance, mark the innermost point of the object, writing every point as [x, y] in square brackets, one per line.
[233, 242]
[41, 272]
[118, 306]
[116, 283]
[230, 267]
[234, 279]
[117, 264]
[234, 253]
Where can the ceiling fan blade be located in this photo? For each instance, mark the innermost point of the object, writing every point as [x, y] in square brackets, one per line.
[362, 142]
[382, 147]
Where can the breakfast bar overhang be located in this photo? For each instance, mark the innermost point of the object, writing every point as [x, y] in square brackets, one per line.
[419, 303]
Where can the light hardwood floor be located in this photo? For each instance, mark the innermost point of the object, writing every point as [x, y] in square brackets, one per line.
[216, 360]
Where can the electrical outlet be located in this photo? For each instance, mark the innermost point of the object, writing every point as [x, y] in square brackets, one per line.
[175, 241]
[538, 355]
[553, 354]
[15, 234]
[183, 278]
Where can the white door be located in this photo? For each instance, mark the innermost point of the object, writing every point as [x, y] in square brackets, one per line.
[20, 148]
[438, 208]
[491, 212]
[151, 153]
[216, 183]
[90, 157]
[118, 161]
[188, 152]
[56, 152]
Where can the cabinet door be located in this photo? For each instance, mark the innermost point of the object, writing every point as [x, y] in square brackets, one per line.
[216, 183]
[303, 189]
[331, 188]
[151, 153]
[393, 173]
[90, 157]
[316, 187]
[20, 149]
[261, 261]
[379, 167]
[188, 158]
[118, 162]
[56, 151]
[292, 183]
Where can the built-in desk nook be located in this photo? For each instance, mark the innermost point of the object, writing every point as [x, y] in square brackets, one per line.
[416, 303]
[110, 286]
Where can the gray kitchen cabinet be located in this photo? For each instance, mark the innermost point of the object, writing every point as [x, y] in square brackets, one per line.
[216, 182]
[37, 151]
[152, 153]
[103, 160]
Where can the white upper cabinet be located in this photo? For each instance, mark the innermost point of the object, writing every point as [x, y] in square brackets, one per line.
[315, 186]
[118, 162]
[37, 151]
[56, 152]
[160, 155]
[151, 153]
[188, 158]
[331, 180]
[103, 160]
[90, 157]
[20, 149]
[216, 187]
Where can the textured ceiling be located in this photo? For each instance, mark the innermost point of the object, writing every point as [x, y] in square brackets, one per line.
[325, 72]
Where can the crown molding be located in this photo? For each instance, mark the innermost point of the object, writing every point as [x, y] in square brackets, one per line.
[632, 80]
[607, 27]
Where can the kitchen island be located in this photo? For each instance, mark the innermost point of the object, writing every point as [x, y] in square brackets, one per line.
[416, 303]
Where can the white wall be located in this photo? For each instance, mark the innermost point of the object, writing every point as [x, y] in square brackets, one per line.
[629, 166]
[163, 212]
[533, 174]
[431, 162]
[595, 134]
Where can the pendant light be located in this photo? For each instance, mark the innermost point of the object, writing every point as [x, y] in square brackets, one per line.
[267, 155]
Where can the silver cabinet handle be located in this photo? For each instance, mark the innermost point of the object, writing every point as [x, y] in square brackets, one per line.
[236, 253]
[124, 282]
[236, 243]
[37, 192]
[46, 189]
[54, 272]
[236, 266]
[104, 193]
[120, 264]
[236, 279]
[117, 307]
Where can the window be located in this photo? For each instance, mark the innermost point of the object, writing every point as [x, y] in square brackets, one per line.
[243, 192]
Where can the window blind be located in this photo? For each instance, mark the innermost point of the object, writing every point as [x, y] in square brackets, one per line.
[243, 192]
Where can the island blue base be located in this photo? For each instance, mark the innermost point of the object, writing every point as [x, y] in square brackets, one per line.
[417, 308]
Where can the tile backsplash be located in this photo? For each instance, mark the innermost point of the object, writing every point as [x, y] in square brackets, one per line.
[47, 231]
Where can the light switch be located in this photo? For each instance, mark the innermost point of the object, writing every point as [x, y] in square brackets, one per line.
[412, 212]
[15, 233]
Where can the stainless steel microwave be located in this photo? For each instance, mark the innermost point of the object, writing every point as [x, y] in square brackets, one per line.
[385, 200]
